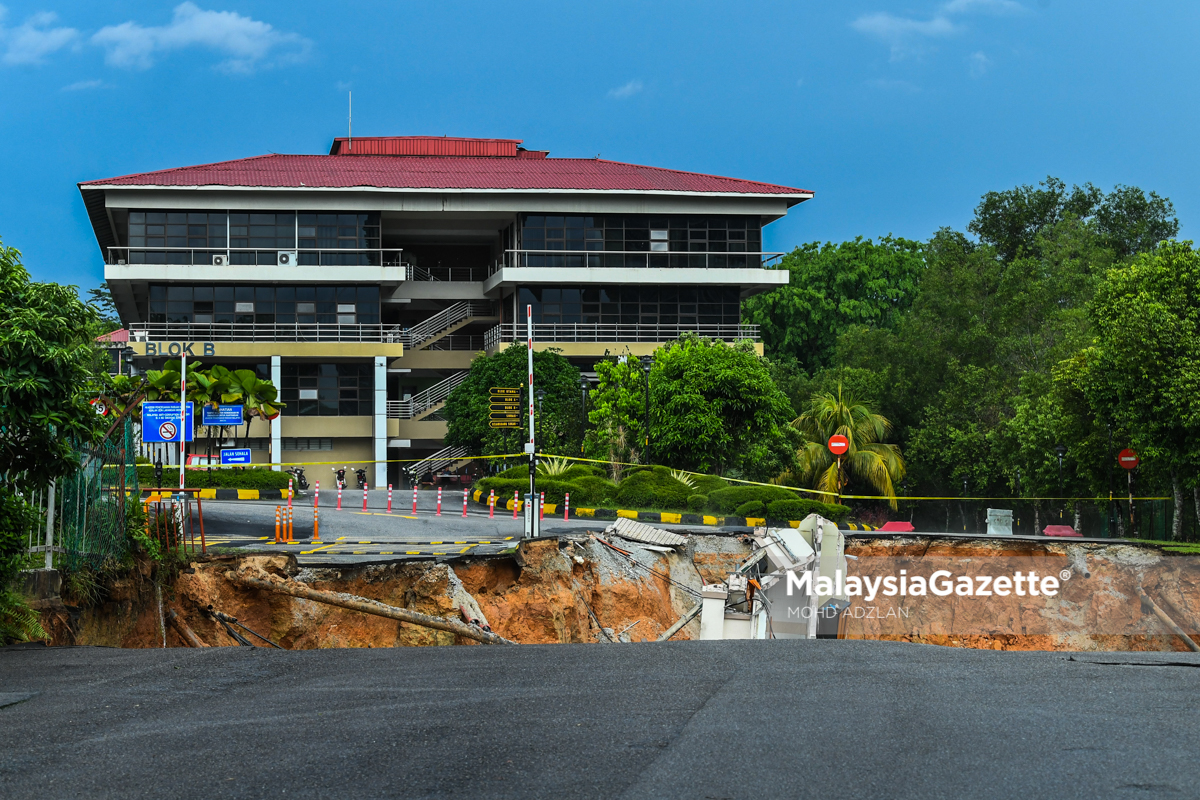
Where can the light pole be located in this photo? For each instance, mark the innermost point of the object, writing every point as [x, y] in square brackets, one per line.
[1061, 450]
[647, 364]
[583, 390]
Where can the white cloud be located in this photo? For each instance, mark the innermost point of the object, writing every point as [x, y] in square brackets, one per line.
[34, 39]
[249, 43]
[905, 34]
[979, 64]
[985, 6]
[79, 86]
[628, 90]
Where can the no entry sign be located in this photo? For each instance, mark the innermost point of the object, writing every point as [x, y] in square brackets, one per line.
[838, 444]
[1128, 459]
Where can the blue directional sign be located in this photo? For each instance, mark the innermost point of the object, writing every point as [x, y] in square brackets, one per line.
[221, 415]
[235, 456]
[160, 422]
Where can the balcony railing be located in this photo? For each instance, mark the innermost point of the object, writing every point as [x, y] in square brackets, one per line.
[600, 332]
[624, 259]
[248, 257]
[447, 274]
[263, 332]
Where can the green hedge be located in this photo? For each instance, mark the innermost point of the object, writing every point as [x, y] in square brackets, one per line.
[653, 488]
[253, 478]
[726, 501]
[573, 472]
[751, 508]
[697, 502]
[707, 484]
[800, 508]
[588, 490]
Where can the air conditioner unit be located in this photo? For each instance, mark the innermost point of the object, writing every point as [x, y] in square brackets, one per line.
[286, 258]
[221, 261]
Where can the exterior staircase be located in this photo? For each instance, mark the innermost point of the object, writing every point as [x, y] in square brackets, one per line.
[447, 457]
[427, 401]
[443, 323]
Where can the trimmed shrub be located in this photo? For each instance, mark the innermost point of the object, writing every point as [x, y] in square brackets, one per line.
[697, 502]
[751, 508]
[254, 478]
[707, 484]
[588, 490]
[726, 501]
[799, 509]
[652, 488]
[573, 472]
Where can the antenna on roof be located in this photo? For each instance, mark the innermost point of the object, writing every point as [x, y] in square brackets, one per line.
[349, 121]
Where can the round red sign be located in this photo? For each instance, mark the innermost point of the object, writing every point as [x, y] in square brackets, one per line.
[1128, 459]
[838, 444]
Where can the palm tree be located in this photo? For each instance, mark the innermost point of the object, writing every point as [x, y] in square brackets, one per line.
[869, 459]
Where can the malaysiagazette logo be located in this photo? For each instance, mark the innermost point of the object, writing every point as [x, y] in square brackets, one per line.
[942, 583]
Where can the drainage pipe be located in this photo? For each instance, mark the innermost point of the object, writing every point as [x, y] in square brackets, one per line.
[1170, 623]
[368, 606]
[184, 630]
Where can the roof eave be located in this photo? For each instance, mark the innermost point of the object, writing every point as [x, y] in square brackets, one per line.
[794, 197]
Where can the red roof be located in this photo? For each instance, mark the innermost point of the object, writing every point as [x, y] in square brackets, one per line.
[525, 171]
[119, 335]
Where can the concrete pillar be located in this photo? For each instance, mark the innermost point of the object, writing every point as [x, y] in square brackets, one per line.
[712, 611]
[380, 422]
[277, 423]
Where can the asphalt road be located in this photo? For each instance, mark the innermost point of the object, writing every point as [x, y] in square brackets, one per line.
[352, 535]
[825, 719]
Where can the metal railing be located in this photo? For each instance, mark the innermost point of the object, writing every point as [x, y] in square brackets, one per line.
[263, 332]
[256, 256]
[457, 341]
[601, 332]
[425, 399]
[455, 274]
[445, 319]
[443, 458]
[656, 259]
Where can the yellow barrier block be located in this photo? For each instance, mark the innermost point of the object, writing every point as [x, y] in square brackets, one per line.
[709, 520]
[794, 523]
[668, 517]
[755, 522]
[627, 514]
[551, 508]
[247, 494]
[585, 512]
[478, 494]
[208, 494]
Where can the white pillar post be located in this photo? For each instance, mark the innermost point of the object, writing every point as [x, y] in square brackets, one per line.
[380, 422]
[277, 423]
[50, 526]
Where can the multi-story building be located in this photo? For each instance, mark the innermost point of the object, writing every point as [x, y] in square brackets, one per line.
[364, 282]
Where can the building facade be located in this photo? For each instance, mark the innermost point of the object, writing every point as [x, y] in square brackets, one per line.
[364, 282]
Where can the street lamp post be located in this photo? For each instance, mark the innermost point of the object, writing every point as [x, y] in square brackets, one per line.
[1061, 450]
[647, 363]
[583, 390]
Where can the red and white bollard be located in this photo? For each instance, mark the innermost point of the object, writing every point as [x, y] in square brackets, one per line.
[364, 499]
[414, 500]
[316, 537]
[389, 498]
[542, 506]
[516, 501]
[439, 511]
[465, 502]
[339, 507]
[492, 504]
[290, 492]
[567, 506]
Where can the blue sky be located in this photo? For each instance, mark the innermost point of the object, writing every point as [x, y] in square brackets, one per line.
[898, 115]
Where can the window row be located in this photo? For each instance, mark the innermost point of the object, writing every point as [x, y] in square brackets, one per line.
[628, 305]
[327, 390]
[341, 305]
[283, 231]
[642, 234]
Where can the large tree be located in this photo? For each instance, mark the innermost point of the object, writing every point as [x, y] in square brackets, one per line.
[560, 426]
[832, 287]
[714, 408]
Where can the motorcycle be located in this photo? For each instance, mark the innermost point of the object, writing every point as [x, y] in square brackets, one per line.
[340, 479]
[298, 474]
[360, 476]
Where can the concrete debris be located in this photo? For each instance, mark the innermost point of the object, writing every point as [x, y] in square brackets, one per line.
[647, 534]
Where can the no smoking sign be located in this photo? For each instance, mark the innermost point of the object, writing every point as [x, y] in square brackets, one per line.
[167, 431]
